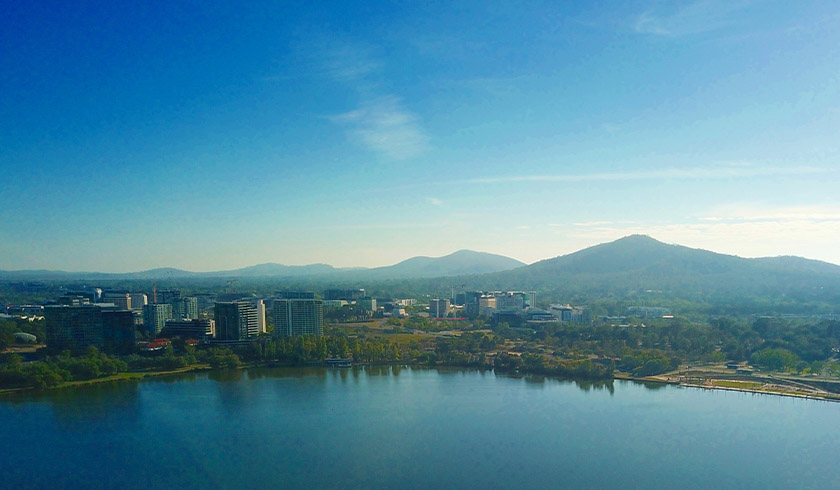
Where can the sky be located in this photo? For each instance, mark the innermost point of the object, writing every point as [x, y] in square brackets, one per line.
[207, 136]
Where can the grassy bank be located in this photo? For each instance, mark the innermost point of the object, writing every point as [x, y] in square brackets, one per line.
[124, 376]
[714, 379]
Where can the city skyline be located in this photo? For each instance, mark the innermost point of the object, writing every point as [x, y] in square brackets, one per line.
[211, 137]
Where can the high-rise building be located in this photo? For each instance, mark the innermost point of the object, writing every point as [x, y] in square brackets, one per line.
[73, 327]
[155, 316]
[260, 307]
[79, 327]
[512, 301]
[121, 300]
[460, 299]
[138, 301]
[367, 303]
[186, 307]
[298, 316]
[471, 303]
[182, 307]
[235, 320]
[486, 304]
[167, 295]
[438, 308]
[118, 331]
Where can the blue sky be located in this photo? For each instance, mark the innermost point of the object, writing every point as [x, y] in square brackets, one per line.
[207, 136]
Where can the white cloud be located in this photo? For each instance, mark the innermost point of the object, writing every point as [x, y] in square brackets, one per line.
[434, 201]
[386, 127]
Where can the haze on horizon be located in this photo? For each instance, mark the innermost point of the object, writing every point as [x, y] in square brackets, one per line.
[208, 136]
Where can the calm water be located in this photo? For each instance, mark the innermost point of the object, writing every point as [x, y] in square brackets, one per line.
[412, 428]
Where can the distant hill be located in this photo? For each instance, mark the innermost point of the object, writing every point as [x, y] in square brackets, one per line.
[459, 263]
[279, 270]
[634, 269]
[638, 264]
[267, 270]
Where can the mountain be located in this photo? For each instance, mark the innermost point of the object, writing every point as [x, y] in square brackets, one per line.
[634, 269]
[278, 270]
[638, 265]
[458, 263]
[462, 262]
[163, 272]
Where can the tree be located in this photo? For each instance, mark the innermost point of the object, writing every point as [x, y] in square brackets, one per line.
[775, 360]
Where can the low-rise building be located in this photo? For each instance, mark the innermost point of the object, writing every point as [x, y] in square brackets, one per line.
[196, 328]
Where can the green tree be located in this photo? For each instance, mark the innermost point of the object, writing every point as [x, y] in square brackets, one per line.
[775, 360]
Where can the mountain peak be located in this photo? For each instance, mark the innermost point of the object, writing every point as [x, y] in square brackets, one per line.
[460, 262]
[638, 238]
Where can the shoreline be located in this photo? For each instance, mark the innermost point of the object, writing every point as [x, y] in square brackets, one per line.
[833, 398]
[828, 396]
[116, 378]
[141, 375]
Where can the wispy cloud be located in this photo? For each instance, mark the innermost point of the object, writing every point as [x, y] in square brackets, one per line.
[711, 172]
[394, 225]
[349, 62]
[434, 201]
[669, 19]
[737, 213]
[593, 223]
[380, 122]
[383, 125]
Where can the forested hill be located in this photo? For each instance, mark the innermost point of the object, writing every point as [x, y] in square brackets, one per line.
[638, 265]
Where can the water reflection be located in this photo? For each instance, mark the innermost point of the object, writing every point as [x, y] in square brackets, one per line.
[287, 372]
[74, 408]
[226, 375]
[588, 386]
[654, 386]
[377, 370]
[175, 378]
[540, 381]
[460, 371]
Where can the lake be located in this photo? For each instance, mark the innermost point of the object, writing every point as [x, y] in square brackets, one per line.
[392, 427]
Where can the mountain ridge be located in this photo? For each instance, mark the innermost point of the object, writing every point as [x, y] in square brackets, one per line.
[457, 263]
[631, 265]
[635, 268]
